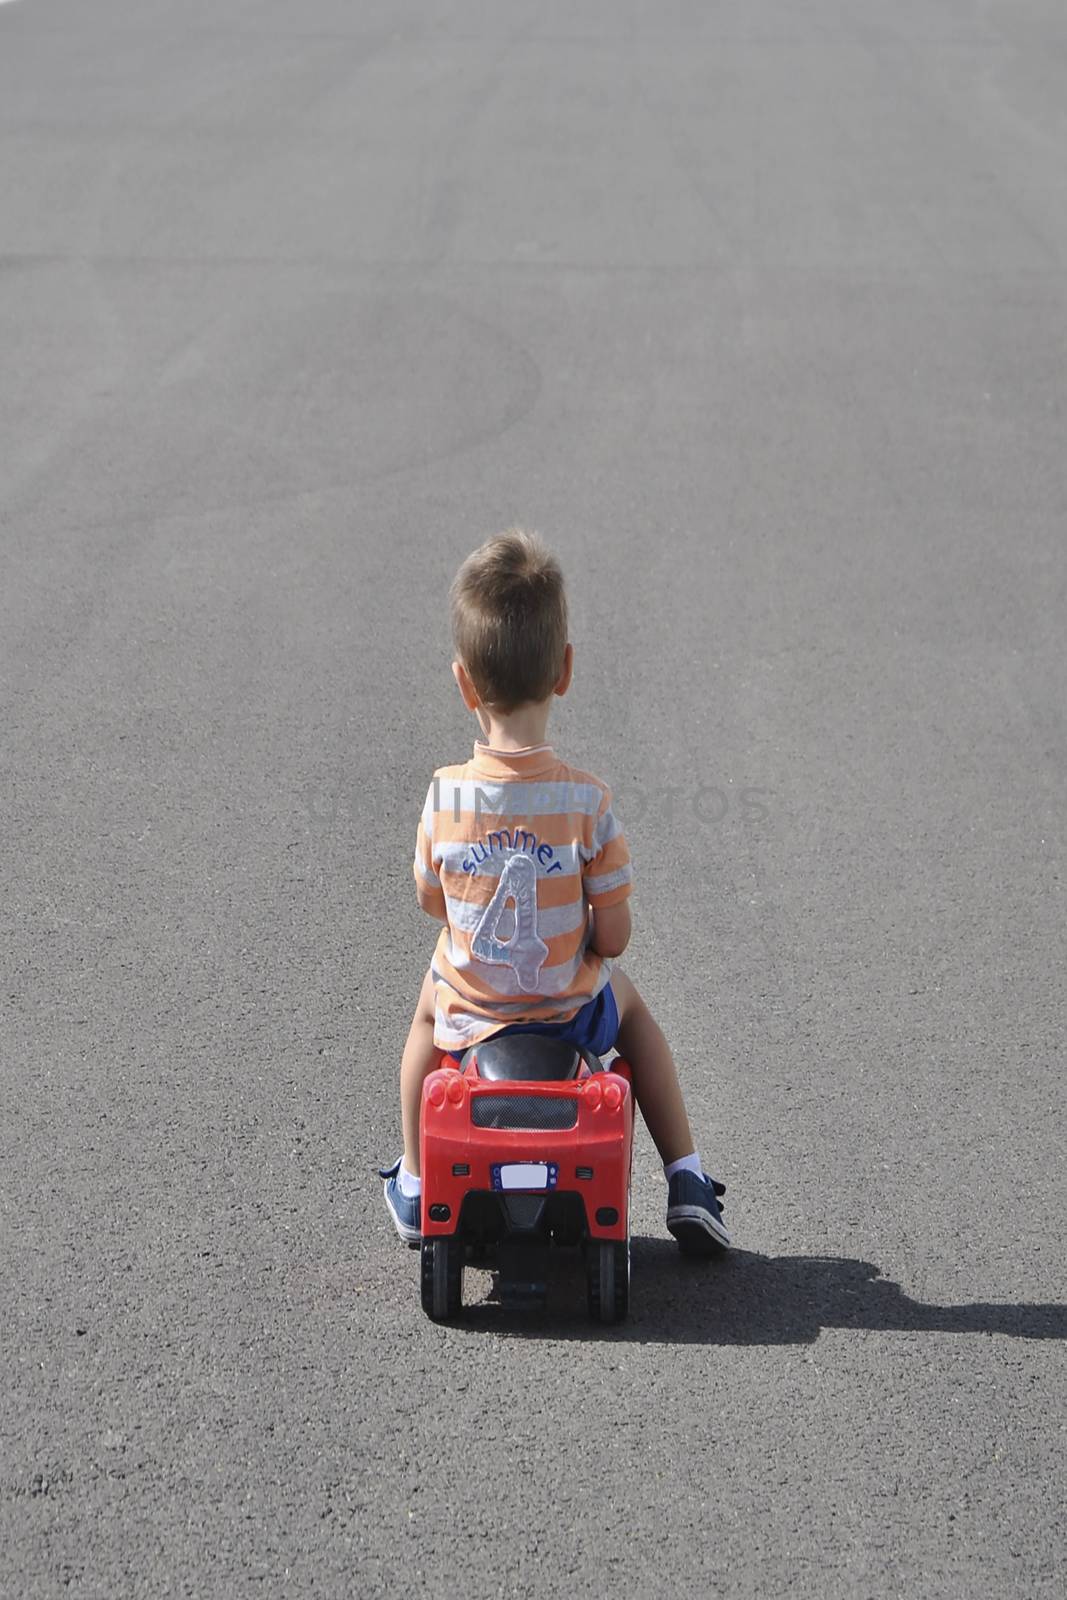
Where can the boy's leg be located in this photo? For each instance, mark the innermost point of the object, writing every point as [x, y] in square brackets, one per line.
[694, 1214]
[418, 1061]
[655, 1077]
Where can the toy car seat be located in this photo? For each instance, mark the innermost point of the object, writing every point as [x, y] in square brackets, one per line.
[528, 1057]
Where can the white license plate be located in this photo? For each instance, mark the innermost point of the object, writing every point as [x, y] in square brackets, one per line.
[524, 1175]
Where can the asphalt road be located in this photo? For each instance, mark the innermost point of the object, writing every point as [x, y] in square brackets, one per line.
[757, 312]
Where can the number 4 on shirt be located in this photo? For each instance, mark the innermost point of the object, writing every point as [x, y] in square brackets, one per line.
[525, 951]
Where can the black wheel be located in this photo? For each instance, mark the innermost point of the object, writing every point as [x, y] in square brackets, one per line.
[442, 1278]
[607, 1268]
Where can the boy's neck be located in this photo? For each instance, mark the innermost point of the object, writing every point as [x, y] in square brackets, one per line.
[515, 730]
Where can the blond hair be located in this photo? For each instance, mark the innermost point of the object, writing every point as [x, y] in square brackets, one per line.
[509, 620]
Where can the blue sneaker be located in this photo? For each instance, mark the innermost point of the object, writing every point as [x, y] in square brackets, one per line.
[405, 1210]
[694, 1214]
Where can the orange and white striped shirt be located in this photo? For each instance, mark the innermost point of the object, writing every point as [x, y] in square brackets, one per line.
[513, 848]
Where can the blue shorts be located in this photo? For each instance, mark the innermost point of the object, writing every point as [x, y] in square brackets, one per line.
[595, 1027]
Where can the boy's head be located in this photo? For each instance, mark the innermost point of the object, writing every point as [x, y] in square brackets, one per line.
[509, 622]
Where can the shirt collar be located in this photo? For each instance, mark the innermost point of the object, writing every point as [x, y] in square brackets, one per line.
[528, 763]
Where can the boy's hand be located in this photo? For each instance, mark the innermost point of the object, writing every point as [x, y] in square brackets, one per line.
[611, 929]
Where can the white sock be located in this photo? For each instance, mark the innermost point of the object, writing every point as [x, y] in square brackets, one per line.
[410, 1186]
[686, 1164]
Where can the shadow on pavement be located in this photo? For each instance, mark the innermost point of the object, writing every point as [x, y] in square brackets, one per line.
[743, 1298]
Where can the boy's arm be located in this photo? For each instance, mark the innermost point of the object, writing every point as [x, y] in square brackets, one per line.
[611, 929]
[427, 883]
[432, 902]
[607, 877]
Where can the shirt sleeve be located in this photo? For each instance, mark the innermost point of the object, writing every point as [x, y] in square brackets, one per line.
[607, 875]
[426, 876]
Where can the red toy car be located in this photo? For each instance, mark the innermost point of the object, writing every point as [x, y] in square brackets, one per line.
[526, 1143]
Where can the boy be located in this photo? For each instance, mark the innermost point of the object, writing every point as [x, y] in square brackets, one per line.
[522, 859]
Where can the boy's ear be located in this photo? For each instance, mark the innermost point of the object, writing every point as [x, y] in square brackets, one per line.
[563, 683]
[466, 687]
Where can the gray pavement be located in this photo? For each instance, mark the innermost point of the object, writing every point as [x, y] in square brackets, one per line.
[758, 312]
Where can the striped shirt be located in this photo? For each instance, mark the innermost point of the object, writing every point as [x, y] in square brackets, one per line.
[513, 848]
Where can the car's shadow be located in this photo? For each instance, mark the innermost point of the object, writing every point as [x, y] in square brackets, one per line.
[744, 1298]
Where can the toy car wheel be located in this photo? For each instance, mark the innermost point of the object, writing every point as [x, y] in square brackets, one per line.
[442, 1278]
[607, 1266]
